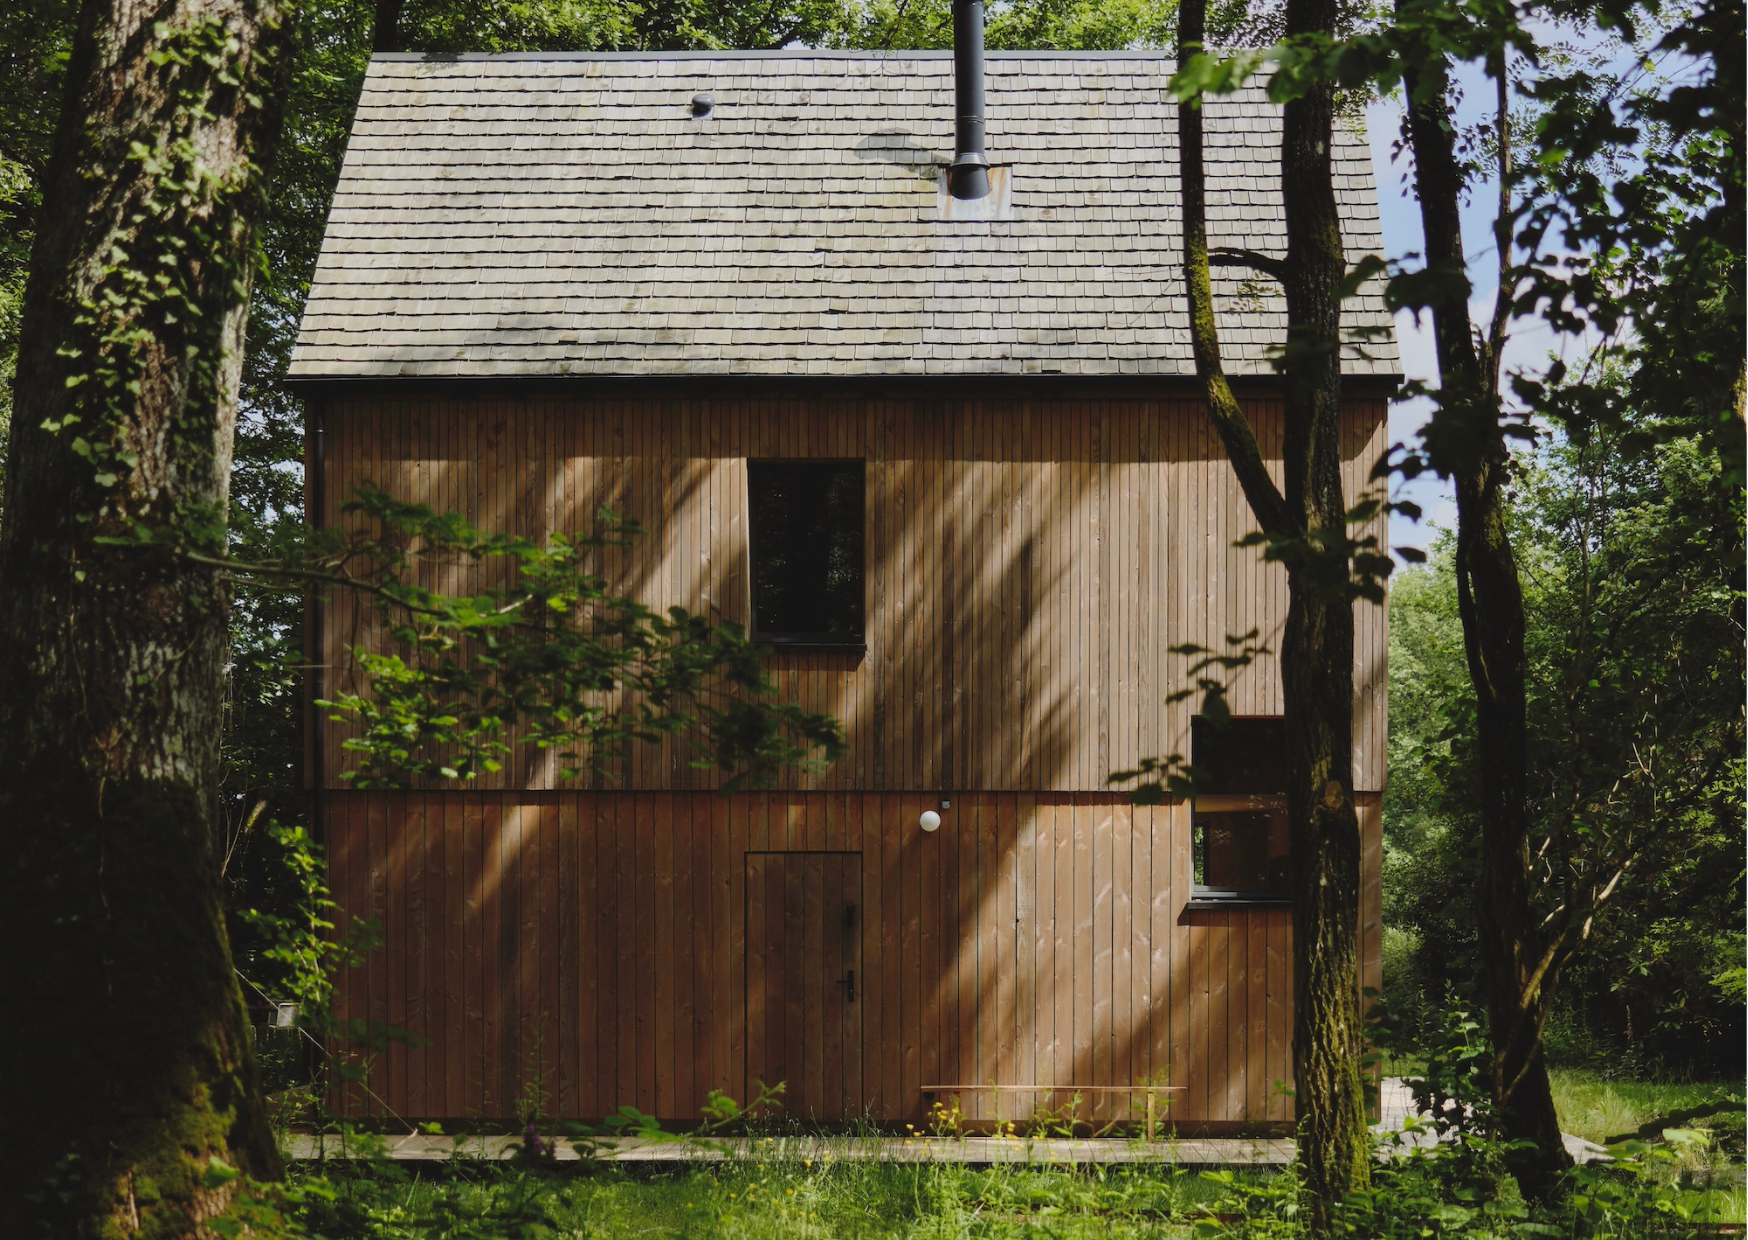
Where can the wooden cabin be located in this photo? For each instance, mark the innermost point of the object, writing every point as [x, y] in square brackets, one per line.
[734, 296]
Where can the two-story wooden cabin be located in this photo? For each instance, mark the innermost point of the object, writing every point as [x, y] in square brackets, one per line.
[949, 459]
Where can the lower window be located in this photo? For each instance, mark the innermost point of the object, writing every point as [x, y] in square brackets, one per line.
[1239, 842]
[1241, 853]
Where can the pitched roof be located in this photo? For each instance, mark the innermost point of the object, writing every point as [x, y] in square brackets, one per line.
[541, 215]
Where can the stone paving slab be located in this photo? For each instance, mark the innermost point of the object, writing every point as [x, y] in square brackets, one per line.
[1396, 1104]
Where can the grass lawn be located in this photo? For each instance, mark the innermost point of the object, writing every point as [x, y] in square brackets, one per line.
[1608, 1111]
[1612, 1111]
[780, 1198]
[756, 1200]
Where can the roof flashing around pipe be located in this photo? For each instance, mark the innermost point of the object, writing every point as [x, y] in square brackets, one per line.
[968, 177]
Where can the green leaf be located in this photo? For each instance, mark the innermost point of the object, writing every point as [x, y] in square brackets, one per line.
[1203, 74]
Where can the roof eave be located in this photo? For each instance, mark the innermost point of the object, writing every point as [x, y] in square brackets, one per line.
[995, 383]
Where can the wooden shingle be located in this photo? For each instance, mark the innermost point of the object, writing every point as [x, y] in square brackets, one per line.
[535, 215]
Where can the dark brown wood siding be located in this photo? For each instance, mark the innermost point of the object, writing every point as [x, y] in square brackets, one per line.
[1029, 563]
[578, 951]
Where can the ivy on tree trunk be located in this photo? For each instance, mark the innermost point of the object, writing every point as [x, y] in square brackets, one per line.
[130, 1080]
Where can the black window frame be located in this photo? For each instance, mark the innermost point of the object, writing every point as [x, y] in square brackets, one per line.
[1216, 793]
[804, 642]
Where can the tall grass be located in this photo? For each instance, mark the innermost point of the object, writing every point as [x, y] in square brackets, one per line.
[790, 1190]
[767, 1199]
[1603, 1109]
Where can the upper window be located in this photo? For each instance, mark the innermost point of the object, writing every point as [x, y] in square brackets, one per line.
[1239, 846]
[807, 552]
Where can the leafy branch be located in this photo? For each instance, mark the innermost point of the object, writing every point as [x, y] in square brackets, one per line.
[1161, 779]
[549, 656]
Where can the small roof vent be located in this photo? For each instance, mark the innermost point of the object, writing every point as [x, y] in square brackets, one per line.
[703, 104]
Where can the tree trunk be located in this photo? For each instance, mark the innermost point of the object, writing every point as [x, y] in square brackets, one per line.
[129, 1069]
[1467, 443]
[1317, 650]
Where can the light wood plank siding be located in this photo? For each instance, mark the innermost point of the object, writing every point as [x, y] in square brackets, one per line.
[1029, 562]
[1035, 939]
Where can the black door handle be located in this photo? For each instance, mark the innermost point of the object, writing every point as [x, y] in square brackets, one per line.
[849, 980]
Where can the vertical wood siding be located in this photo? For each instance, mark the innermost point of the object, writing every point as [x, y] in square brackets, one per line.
[578, 951]
[1029, 563]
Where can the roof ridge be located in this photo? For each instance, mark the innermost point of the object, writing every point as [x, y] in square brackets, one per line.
[784, 53]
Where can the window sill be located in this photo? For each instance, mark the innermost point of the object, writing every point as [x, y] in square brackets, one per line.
[1199, 903]
[780, 645]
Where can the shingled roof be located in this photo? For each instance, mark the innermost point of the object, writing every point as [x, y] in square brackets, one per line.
[549, 215]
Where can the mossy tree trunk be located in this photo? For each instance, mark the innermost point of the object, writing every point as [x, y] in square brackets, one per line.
[128, 1066]
[1306, 520]
[1467, 443]
[1317, 652]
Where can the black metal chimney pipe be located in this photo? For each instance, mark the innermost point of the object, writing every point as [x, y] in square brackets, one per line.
[969, 175]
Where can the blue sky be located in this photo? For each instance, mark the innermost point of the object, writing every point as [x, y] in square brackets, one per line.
[1400, 216]
[1531, 342]
[1402, 236]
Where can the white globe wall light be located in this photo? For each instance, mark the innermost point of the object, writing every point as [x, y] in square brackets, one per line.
[930, 821]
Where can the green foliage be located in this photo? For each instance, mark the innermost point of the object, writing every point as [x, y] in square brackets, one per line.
[551, 657]
[1024, 25]
[1416, 1193]
[293, 951]
[1634, 593]
[618, 25]
[1208, 673]
[1609, 1110]
[1623, 214]
[1430, 823]
[1452, 1086]
[1446, 1175]
[304, 944]
[1049, 25]
[185, 227]
[1644, 178]
[778, 1197]
[1342, 565]
[1629, 1197]
[1640, 592]
[1213, 74]
[34, 39]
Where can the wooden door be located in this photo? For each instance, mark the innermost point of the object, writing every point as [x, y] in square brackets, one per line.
[805, 982]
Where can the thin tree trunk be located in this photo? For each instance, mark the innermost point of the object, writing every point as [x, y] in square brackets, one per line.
[1471, 448]
[1318, 643]
[128, 1065]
